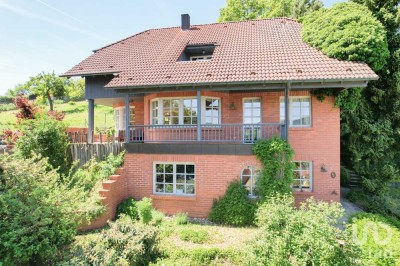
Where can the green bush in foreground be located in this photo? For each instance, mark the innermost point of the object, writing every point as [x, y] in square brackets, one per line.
[38, 213]
[145, 210]
[304, 236]
[377, 237]
[198, 236]
[181, 218]
[128, 207]
[234, 208]
[126, 242]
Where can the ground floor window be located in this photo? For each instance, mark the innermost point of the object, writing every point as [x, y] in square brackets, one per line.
[174, 178]
[249, 178]
[302, 176]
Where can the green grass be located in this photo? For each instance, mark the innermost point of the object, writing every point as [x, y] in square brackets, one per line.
[76, 115]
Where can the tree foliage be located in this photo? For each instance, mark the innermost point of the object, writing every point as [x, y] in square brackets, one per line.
[75, 90]
[276, 156]
[304, 236]
[38, 214]
[236, 10]
[47, 85]
[347, 31]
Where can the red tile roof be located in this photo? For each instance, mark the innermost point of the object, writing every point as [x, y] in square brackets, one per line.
[268, 50]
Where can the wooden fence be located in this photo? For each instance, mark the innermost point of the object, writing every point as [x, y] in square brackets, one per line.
[83, 152]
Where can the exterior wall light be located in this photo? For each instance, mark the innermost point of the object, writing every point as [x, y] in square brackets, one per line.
[323, 168]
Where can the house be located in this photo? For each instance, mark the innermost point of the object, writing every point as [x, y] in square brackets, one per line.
[199, 96]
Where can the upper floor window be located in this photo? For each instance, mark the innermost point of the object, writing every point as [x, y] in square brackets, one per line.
[299, 111]
[183, 111]
[302, 176]
[201, 52]
[119, 117]
[249, 178]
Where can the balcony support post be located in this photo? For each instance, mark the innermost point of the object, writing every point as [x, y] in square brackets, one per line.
[287, 110]
[198, 115]
[90, 120]
[127, 119]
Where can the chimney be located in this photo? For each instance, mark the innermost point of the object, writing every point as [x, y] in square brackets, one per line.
[185, 22]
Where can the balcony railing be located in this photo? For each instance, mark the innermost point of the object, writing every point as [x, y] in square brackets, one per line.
[217, 133]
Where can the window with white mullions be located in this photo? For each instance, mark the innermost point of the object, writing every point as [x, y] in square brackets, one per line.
[251, 119]
[174, 178]
[302, 176]
[211, 115]
[249, 178]
[119, 117]
[299, 111]
[171, 111]
[190, 111]
[154, 112]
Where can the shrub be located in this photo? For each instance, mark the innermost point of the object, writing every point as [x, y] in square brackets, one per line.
[181, 218]
[157, 217]
[347, 31]
[276, 156]
[304, 236]
[377, 237]
[45, 136]
[234, 208]
[145, 210]
[128, 208]
[7, 107]
[124, 243]
[198, 236]
[38, 213]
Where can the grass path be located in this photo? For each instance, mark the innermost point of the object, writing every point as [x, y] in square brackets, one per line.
[76, 115]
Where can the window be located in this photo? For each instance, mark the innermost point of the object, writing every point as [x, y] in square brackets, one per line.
[119, 117]
[211, 111]
[251, 117]
[299, 111]
[184, 111]
[302, 176]
[202, 52]
[174, 178]
[249, 178]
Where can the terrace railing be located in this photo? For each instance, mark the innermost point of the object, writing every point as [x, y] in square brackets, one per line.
[216, 133]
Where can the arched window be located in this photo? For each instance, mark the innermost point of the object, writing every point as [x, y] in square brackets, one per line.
[248, 179]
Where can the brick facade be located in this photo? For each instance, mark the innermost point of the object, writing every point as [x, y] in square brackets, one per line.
[319, 144]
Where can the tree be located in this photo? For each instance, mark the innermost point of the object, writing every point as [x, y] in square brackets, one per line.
[237, 10]
[75, 90]
[48, 85]
[370, 117]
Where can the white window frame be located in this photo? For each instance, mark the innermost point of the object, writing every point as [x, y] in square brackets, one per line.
[282, 99]
[174, 164]
[254, 173]
[181, 107]
[120, 122]
[311, 170]
[199, 58]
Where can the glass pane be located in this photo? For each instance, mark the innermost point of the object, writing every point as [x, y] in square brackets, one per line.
[187, 120]
[159, 188]
[175, 121]
[296, 183]
[215, 121]
[305, 165]
[247, 112]
[180, 168]
[305, 183]
[169, 168]
[194, 120]
[248, 120]
[180, 178]
[190, 169]
[296, 175]
[257, 103]
[190, 179]
[160, 178]
[169, 178]
[169, 188]
[159, 168]
[166, 103]
[180, 189]
[190, 189]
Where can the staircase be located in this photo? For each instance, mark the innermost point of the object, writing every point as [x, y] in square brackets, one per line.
[355, 180]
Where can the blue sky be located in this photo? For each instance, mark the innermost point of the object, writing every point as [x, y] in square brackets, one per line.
[54, 35]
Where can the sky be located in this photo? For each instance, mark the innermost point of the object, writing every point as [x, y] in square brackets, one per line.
[54, 35]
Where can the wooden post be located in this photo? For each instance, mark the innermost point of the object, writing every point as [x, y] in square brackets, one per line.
[91, 120]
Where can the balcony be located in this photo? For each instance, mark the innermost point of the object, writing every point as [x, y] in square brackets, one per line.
[207, 134]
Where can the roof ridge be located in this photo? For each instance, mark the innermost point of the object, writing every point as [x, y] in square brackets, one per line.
[176, 27]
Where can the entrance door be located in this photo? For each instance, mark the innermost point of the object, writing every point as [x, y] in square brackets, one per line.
[251, 119]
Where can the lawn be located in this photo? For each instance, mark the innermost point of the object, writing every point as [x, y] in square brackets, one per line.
[76, 115]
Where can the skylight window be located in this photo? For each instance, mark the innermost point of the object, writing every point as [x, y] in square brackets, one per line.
[197, 53]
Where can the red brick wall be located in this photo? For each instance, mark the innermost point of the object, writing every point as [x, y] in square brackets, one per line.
[319, 143]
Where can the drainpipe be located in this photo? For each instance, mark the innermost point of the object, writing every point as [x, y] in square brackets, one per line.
[198, 115]
[90, 120]
[127, 118]
[287, 110]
